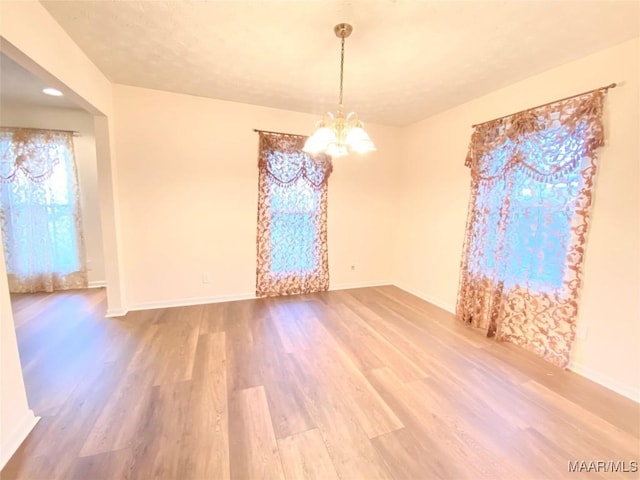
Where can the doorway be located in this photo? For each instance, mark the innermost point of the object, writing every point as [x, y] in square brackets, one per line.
[24, 105]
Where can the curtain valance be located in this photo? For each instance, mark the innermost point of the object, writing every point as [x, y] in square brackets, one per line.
[528, 140]
[33, 152]
[282, 159]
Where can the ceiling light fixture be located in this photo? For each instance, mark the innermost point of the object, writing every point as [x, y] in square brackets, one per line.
[52, 91]
[337, 135]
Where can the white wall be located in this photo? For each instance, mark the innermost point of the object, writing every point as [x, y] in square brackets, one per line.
[13, 115]
[433, 208]
[189, 180]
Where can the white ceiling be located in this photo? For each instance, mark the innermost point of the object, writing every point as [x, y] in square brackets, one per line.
[18, 86]
[406, 59]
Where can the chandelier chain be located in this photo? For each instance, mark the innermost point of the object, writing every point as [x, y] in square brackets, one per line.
[341, 72]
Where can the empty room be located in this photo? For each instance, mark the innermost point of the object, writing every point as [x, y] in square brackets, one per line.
[385, 239]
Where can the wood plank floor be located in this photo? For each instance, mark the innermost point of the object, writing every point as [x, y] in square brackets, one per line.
[356, 384]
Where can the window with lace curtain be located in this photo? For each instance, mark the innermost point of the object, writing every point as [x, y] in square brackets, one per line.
[40, 211]
[532, 177]
[540, 219]
[292, 217]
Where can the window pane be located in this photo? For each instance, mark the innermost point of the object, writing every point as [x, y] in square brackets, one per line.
[292, 238]
[293, 228]
[534, 216]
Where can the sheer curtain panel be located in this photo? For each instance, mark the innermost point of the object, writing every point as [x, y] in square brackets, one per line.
[40, 211]
[292, 217]
[532, 179]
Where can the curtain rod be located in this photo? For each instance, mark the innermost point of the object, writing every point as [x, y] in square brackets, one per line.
[278, 133]
[74, 132]
[613, 85]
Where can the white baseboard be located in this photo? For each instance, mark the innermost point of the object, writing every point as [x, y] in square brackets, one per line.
[97, 284]
[348, 286]
[427, 298]
[116, 312]
[13, 441]
[186, 302]
[605, 381]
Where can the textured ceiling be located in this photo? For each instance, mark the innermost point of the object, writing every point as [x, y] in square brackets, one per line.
[20, 86]
[405, 60]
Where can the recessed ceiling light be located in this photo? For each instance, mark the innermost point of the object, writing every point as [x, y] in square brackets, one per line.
[52, 91]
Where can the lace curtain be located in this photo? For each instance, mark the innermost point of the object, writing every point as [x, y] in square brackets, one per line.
[532, 177]
[40, 211]
[292, 217]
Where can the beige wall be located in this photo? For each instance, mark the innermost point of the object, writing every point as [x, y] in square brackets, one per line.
[188, 177]
[85, 152]
[433, 208]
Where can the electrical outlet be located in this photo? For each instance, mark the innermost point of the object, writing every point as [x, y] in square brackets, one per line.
[206, 278]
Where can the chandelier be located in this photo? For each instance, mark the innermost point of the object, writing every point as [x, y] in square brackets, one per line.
[337, 135]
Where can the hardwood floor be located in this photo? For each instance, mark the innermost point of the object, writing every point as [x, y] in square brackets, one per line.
[356, 384]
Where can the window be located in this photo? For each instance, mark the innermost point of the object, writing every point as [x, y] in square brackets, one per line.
[293, 227]
[538, 215]
[41, 229]
[292, 230]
